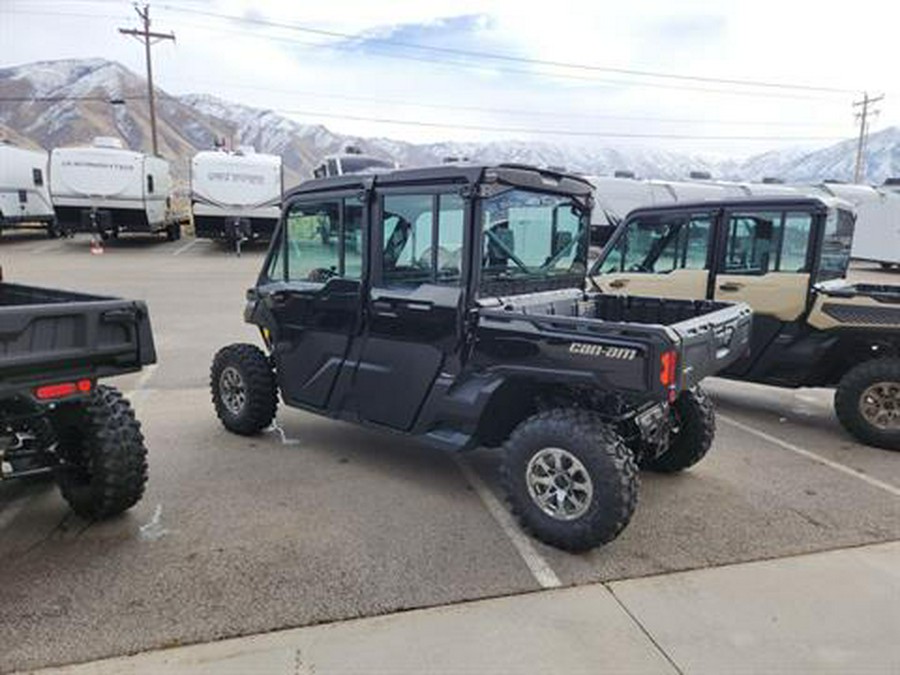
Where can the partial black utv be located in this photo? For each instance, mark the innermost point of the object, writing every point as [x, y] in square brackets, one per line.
[55, 418]
[452, 305]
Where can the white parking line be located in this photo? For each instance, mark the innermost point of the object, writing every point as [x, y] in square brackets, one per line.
[540, 568]
[186, 246]
[141, 384]
[849, 471]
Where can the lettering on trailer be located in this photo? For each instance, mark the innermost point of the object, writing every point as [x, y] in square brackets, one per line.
[229, 177]
[603, 351]
[99, 165]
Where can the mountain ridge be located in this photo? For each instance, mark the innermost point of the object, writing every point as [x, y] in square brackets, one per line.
[66, 102]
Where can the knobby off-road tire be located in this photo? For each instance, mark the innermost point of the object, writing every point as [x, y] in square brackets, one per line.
[103, 467]
[867, 402]
[694, 419]
[244, 391]
[593, 454]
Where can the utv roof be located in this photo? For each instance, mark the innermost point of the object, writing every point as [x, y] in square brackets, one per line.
[775, 201]
[516, 175]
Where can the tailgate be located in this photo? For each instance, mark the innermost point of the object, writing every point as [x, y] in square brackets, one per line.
[712, 342]
[84, 338]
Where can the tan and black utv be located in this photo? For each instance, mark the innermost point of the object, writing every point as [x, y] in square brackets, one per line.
[788, 259]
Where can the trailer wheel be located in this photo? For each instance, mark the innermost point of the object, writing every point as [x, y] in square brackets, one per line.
[244, 391]
[53, 230]
[103, 460]
[693, 430]
[570, 479]
[867, 402]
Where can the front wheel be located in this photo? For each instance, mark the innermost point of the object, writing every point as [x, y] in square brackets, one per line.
[693, 430]
[570, 479]
[103, 460]
[244, 391]
[867, 402]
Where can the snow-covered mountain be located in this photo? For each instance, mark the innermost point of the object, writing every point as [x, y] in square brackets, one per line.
[75, 106]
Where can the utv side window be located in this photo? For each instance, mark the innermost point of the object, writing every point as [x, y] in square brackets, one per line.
[661, 244]
[409, 234]
[312, 232]
[759, 243]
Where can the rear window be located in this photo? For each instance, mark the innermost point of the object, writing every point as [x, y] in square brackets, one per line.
[836, 244]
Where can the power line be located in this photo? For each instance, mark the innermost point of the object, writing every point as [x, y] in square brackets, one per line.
[435, 106]
[551, 132]
[519, 71]
[511, 58]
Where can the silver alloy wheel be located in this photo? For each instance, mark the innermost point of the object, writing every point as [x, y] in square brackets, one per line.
[232, 390]
[559, 484]
[880, 405]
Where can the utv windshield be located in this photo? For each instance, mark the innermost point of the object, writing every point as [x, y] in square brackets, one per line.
[836, 244]
[532, 235]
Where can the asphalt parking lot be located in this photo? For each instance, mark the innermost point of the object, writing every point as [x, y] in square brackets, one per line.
[322, 521]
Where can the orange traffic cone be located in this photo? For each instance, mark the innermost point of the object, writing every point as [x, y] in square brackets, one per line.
[96, 246]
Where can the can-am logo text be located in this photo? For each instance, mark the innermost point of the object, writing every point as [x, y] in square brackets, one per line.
[603, 351]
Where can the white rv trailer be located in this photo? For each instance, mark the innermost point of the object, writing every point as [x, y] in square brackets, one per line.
[24, 190]
[236, 195]
[352, 160]
[877, 233]
[106, 189]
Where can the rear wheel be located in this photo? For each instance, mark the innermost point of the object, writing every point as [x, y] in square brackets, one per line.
[103, 460]
[244, 391]
[867, 402]
[570, 479]
[693, 430]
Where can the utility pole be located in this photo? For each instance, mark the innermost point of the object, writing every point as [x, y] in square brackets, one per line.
[863, 117]
[149, 39]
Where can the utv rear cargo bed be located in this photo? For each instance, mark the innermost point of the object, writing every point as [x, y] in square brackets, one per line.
[48, 335]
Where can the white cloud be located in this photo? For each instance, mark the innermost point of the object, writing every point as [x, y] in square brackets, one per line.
[792, 42]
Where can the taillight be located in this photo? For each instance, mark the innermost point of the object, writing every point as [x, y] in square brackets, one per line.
[50, 392]
[668, 372]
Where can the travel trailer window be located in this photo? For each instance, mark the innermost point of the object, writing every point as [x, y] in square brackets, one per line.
[150, 183]
[38, 177]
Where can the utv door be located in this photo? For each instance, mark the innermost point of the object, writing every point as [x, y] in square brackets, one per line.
[664, 255]
[764, 259]
[313, 294]
[413, 308]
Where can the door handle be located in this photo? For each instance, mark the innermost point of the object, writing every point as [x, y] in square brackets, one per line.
[618, 283]
[417, 306]
[278, 299]
[731, 286]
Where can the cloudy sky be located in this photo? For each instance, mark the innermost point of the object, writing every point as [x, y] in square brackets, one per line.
[565, 71]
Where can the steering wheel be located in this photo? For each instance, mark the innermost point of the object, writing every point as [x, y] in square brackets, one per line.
[321, 274]
[445, 258]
